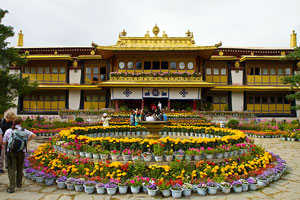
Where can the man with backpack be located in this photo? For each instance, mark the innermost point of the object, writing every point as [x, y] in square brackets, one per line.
[5, 124]
[16, 139]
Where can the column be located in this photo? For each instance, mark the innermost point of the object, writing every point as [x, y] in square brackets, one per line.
[194, 105]
[169, 104]
[143, 104]
[117, 105]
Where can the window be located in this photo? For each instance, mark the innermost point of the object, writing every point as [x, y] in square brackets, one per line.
[88, 70]
[94, 100]
[47, 70]
[272, 100]
[251, 100]
[62, 70]
[216, 71]
[208, 71]
[103, 70]
[173, 65]
[265, 100]
[32, 70]
[121, 65]
[265, 71]
[215, 99]
[138, 65]
[26, 70]
[164, 65]
[223, 71]
[223, 99]
[257, 71]
[288, 71]
[95, 70]
[181, 65]
[40, 70]
[54, 70]
[190, 65]
[156, 65]
[279, 100]
[279, 71]
[272, 72]
[147, 65]
[130, 65]
[257, 100]
[286, 101]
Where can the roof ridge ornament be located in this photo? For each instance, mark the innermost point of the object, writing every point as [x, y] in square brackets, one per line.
[123, 33]
[155, 30]
[218, 44]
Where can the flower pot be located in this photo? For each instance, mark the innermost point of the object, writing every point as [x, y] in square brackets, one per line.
[262, 182]
[209, 156]
[187, 192]
[82, 154]
[78, 188]
[197, 157]
[179, 157]
[176, 193]
[230, 154]
[212, 190]
[126, 157]
[49, 181]
[61, 185]
[89, 189]
[158, 158]
[135, 190]
[114, 156]
[39, 179]
[111, 191]
[88, 155]
[145, 189]
[135, 158]
[219, 155]
[225, 154]
[70, 152]
[235, 153]
[194, 189]
[147, 157]
[95, 155]
[169, 158]
[123, 189]
[188, 157]
[152, 193]
[253, 187]
[245, 187]
[103, 156]
[201, 191]
[100, 190]
[70, 186]
[237, 189]
[166, 193]
[25, 173]
[226, 190]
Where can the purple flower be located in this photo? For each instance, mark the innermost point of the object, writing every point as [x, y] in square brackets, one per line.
[79, 181]
[39, 173]
[48, 176]
[99, 185]
[211, 184]
[110, 185]
[152, 186]
[62, 179]
[251, 181]
[202, 185]
[90, 183]
[176, 187]
[236, 183]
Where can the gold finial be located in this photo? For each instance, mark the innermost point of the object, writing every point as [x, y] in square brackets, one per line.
[221, 53]
[164, 34]
[155, 30]
[20, 39]
[218, 44]
[282, 53]
[92, 52]
[237, 64]
[147, 34]
[75, 63]
[293, 39]
[123, 33]
[188, 33]
[94, 44]
[55, 52]
[26, 53]
[252, 53]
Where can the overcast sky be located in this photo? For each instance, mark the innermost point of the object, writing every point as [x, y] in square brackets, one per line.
[253, 23]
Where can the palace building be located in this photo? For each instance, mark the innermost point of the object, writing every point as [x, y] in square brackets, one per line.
[138, 71]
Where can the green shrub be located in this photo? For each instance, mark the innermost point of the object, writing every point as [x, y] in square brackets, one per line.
[295, 122]
[79, 119]
[233, 123]
[189, 109]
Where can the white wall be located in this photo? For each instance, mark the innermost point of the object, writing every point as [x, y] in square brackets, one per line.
[74, 99]
[237, 77]
[75, 75]
[237, 101]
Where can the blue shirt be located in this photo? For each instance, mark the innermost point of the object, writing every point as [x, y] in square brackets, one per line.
[165, 117]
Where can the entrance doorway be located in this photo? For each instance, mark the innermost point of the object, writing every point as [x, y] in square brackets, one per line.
[149, 101]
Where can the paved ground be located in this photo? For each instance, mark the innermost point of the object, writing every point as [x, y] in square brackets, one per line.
[288, 187]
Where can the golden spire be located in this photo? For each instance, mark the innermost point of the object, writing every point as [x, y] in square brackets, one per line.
[155, 30]
[20, 39]
[293, 39]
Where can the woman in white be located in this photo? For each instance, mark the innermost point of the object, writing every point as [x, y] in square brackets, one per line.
[105, 119]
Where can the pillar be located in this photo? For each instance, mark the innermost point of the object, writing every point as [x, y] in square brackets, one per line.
[169, 104]
[117, 105]
[143, 104]
[194, 105]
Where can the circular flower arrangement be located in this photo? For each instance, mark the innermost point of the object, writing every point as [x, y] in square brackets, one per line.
[228, 161]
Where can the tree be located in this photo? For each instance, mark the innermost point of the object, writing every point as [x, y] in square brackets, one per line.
[12, 85]
[293, 80]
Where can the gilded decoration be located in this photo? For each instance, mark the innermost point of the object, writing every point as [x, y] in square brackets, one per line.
[221, 53]
[92, 52]
[237, 64]
[20, 39]
[282, 53]
[155, 30]
[75, 63]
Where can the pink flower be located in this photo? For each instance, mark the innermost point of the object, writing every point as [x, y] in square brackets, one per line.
[132, 181]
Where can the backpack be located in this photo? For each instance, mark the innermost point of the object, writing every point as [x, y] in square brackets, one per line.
[18, 140]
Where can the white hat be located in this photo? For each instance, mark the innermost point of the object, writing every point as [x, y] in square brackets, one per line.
[105, 115]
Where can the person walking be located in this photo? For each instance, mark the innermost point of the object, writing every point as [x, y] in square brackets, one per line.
[16, 139]
[105, 119]
[159, 105]
[5, 124]
[132, 118]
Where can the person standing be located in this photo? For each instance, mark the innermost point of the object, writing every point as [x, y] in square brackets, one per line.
[137, 118]
[5, 124]
[159, 105]
[165, 118]
[132, 118]
[16, 154]
[105, 120]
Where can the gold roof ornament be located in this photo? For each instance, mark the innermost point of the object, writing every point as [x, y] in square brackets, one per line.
[20, 39]
[26, 53]
[252, 53]
[237, 64]
[147, 34]
[221, 53]
[92, 52]
[55, 52]
[94, 44]
[293, 40]
[123, 33]
[164, 34]
[282, 53]
[218, 44]
[75, 63]
[155, 30]
[188, 33]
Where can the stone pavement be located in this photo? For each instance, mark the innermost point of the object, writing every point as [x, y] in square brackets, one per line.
[288, 187]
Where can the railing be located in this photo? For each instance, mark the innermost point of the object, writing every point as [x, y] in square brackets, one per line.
[155, 78]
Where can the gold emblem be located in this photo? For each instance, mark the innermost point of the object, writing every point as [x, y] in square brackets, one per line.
[221, 53]
[75, 63]
[237, 64]
[283, 53]
[55, 52]
[92, 52]
[155, 30]
[252, 53]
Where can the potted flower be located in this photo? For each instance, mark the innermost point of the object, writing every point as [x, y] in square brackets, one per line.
[212, 187]
[169, 155]
[136, 155]
[147, 156]
[176, 190]
[126, 154]
[39, 176]
[237, 186]
[100, 188]
[179, 154]
[103, 154]
[79, 184]
[252, 183]
[96, 151]
[262, 180]
[187, 189]
[158, 152]
[135, 184]
[219, 152]
[152, 189]
[114, 154]
[123, 186]
[89, 186]
[190, 153]
[49, 179]
[164, 187]
[61, 182]
[70, 183]
[245, 185]
[202, 188]
[111, 188]
[225, 187]
[209, 152]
